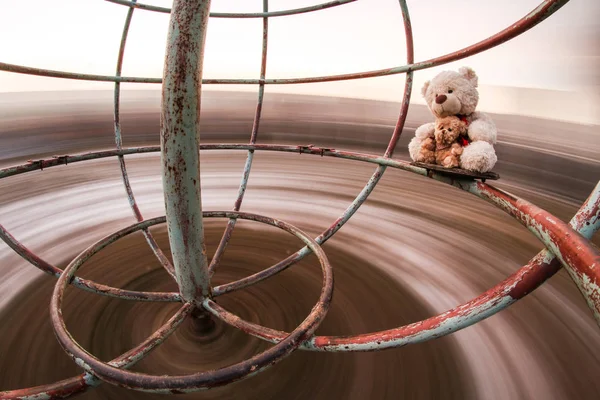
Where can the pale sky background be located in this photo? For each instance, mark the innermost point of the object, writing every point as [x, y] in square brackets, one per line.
[561, 54]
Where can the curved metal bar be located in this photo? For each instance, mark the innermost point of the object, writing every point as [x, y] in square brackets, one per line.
[540, 13]
[80, 283]
[264, 14]
[300, 254]
[81, 383]
[580, 257]
[246, 174]
[297, 149]
[21, 69]
[410, 58]
[541, 268]
[202, 380]
[34, 165]
[162, 259]
[362, 196]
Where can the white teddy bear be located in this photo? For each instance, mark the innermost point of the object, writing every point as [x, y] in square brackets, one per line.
[455, 93]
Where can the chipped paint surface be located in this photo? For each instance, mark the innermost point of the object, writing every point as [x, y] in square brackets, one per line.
[577, 254]
[180, 143]
[543, 266]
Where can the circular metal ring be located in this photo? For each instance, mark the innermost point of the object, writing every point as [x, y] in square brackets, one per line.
[203, 380]
[564, 245]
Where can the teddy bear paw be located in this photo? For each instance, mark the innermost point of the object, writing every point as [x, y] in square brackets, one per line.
[478, 157]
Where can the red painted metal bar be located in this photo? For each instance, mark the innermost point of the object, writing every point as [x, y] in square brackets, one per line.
[539, 14]
[253, 136]
[180, 143]
[542, 267]
[162, 259]
[264, 14]
[197, 381]
[81, 383]
[84, 284]
[579, 256]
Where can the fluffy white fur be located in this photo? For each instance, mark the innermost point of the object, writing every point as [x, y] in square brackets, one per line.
[460, 89]
[478, 156]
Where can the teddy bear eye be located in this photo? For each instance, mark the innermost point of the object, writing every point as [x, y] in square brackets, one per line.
[449, 129]
[450, 90]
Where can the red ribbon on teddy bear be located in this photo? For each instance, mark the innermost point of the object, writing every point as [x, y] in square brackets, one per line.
[464, 141]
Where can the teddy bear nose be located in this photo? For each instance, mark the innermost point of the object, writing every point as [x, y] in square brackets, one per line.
[441, 98]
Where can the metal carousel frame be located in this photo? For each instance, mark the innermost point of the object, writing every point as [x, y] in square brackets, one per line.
[566, 245]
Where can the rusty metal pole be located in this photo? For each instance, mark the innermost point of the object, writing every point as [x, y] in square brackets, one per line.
[180, 145]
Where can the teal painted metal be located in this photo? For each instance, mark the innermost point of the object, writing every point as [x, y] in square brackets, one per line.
[180, 144]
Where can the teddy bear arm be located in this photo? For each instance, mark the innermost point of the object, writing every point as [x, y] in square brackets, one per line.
[482, 128]
[425, 130]
[457, 149]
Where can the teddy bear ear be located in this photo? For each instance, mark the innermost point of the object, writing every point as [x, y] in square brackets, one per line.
[424, 88]
[469, 73]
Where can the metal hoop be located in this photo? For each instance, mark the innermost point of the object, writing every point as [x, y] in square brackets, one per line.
[198, 381]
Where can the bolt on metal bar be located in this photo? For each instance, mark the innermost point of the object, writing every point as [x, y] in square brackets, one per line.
[264, 14]
[180, 145]
[246, 174]
[162, 259]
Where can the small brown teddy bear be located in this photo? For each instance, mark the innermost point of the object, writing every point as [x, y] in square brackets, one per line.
[448, 147]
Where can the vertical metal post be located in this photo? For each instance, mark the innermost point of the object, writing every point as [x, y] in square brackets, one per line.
[180, 141]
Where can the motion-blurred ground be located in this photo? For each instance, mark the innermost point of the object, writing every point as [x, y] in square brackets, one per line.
[414, 249]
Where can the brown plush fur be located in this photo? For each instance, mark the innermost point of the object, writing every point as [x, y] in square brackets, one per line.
[447, 148]
[427, 151]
